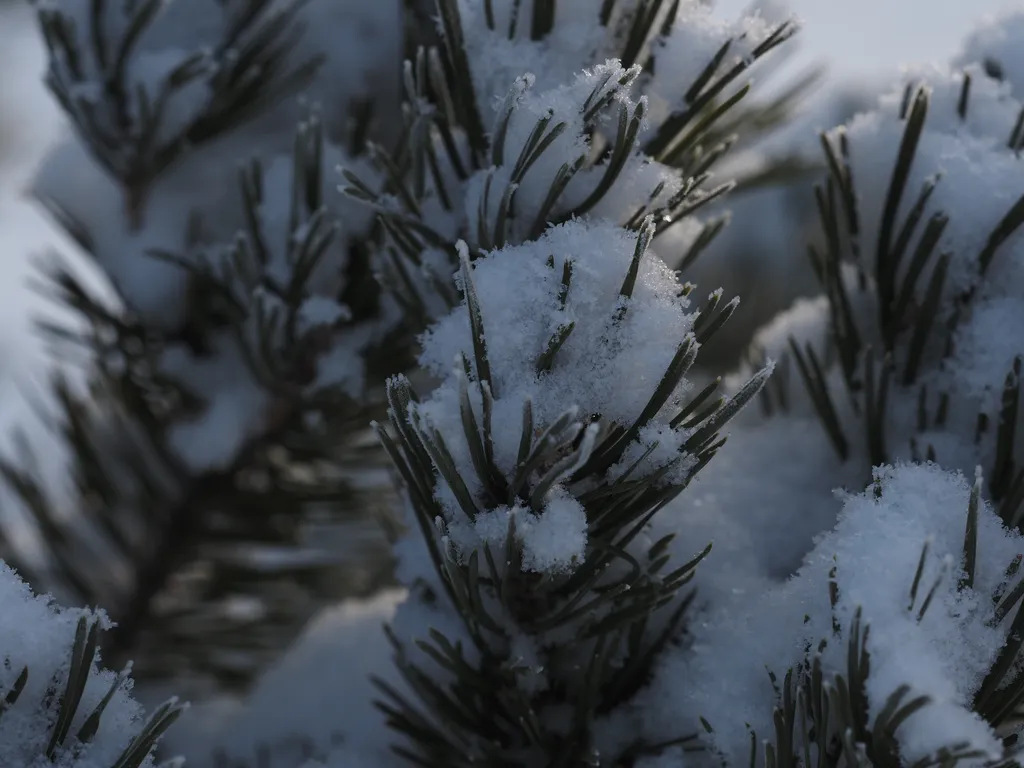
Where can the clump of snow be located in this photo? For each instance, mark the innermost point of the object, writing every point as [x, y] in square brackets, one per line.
[997, 43]
[974, 176]
[38, 635]
[578, 40]
[607, 365]
[978, 179]
[319, 311]
[553, 541]
[991, 107]
[984, 351]
[948, 652]
[498, 58]
[975, 181]
[236, 408]
[656, 447]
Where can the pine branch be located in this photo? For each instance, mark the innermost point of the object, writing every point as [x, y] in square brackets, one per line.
[437, 123]
[59, 730]
[137, 132]
[181, 528]
[906, 275]
[158, 510]
[614, 594]
[824, 718]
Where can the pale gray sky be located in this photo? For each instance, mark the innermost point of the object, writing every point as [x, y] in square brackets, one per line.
[874, 36]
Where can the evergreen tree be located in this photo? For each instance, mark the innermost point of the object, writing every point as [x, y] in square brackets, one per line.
[591, 575]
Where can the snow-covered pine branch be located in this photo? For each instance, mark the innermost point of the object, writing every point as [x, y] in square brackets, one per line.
[616, 118]
[533, 471]
[910, 359]
[880, 628]
[889, 646]
[59, 708]
[905, 356]
[534, 468]
[246, 336]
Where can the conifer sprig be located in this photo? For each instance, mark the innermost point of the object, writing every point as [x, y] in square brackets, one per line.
[906, 274]
[270, 297]
[93, 74]
[484, 712]
[446, 142]
[61, 722]
[823, 719]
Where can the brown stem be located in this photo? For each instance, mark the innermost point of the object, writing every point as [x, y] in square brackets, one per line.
[177, 534]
